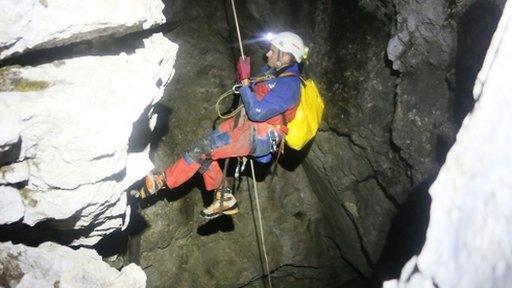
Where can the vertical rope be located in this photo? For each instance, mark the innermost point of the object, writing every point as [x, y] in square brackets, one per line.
[237, 28]
[262, 235]
[226, 163]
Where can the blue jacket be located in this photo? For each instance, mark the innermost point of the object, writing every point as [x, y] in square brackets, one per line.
[284, 94]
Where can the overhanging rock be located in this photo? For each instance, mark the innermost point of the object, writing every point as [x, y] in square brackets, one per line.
[34, 24]
[72, 120]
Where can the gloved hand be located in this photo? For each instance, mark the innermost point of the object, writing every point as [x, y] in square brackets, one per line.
[243, 68]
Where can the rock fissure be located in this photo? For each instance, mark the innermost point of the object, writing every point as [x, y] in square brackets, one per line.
[360, 237]
[99, 46]
[408, 167]
[280, 267]
[103, 156]
[348, 137]
[385, 191]
[354, 267]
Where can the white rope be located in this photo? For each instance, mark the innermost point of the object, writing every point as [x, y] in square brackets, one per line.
[237, 29]
[262, 235]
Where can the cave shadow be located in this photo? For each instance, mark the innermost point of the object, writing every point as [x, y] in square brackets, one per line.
[119, 242]
[222, 223]
[142, 136]
[58, 231]
[443, 145]
[291, 158]
[106, 45]
[127, 242]
[10, 153]
[406, 235]
[476, 27]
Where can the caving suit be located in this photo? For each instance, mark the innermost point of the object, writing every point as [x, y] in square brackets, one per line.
[269, 105]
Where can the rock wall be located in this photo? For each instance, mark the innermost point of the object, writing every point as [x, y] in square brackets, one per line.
[177, 246]
[468, 239]
[387, 71]
[71, 125]
[393, 96]
[66, 124]
[29, 24]
[53, 265]
[75, 121]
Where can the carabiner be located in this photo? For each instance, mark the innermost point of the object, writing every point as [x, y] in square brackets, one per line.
[274, 139]
[236, 88]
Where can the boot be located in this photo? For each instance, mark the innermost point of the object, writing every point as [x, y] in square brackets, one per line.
[229, 205]
[153, 182]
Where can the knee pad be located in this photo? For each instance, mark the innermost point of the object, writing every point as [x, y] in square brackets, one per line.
[199, 152]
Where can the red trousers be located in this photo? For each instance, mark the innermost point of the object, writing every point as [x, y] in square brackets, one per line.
[249, 138]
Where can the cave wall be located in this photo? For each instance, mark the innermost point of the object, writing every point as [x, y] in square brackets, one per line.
[76, 80]
[349, 210]
[54, 265]
[177, 246]
[393, 102]
[468, 242]
[388, 73]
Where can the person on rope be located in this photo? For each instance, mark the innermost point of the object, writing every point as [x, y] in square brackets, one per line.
[269, 105]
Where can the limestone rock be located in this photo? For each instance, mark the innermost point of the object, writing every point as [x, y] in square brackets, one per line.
[468, 239]
[53, 265]
[34, 24]
[11, 206]
[74, 119]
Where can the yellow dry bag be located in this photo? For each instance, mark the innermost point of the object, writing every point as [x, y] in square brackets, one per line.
[307, 118]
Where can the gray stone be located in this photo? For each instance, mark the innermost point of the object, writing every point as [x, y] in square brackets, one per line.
[53, 265]
[11, 206]
[34, 24]
[74, 119]
[469, 230]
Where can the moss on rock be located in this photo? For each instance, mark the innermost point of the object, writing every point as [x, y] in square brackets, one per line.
[11, 80]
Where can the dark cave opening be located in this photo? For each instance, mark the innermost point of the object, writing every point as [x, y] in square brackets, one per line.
[475, 29]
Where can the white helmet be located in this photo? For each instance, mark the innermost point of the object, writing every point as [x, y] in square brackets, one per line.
[291, 43]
